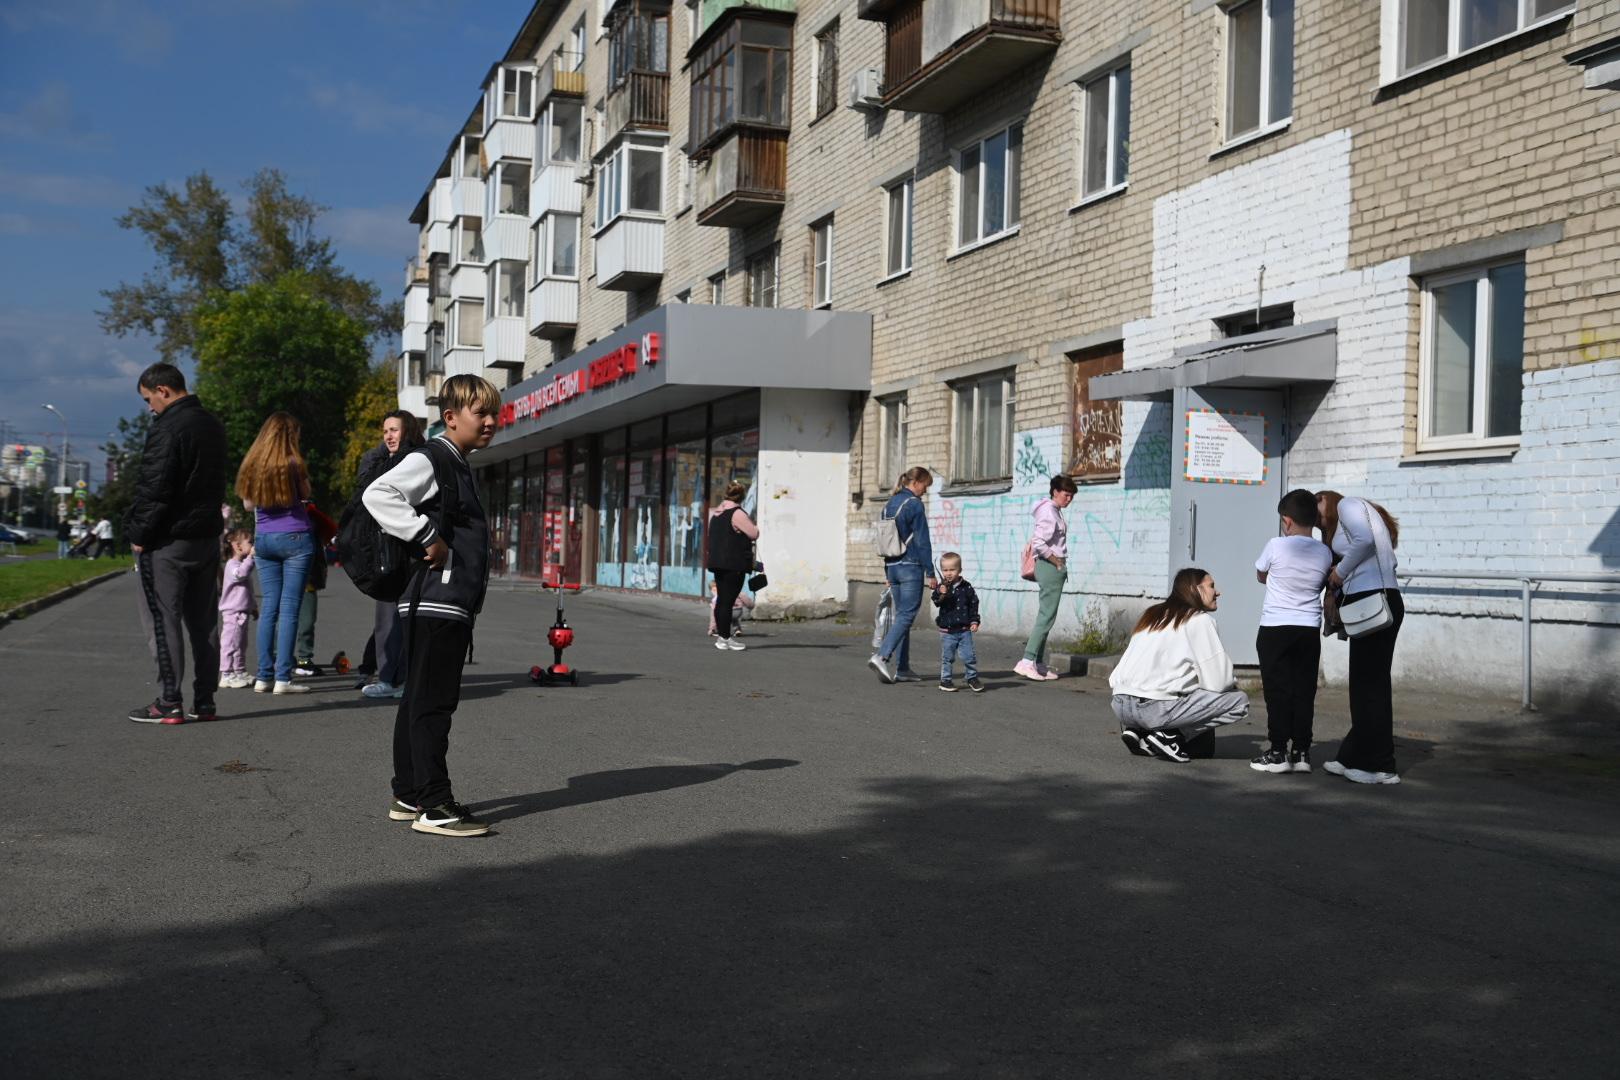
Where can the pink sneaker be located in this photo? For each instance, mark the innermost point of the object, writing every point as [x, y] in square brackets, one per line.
[1028, 670]
[1045, 672]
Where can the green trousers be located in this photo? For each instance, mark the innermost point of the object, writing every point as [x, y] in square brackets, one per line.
[1050, 579]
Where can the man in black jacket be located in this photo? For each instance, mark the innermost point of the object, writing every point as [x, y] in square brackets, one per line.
[173, 526]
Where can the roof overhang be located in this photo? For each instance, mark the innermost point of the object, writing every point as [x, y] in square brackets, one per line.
[1291, 356]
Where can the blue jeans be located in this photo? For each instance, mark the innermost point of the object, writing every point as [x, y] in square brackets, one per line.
[953, 643]
[906, 584]
[283, 563]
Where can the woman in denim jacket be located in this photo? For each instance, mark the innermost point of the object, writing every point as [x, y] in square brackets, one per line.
[907, 573]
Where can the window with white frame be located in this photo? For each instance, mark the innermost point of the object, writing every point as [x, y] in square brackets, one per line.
[508, 190]
[468, 165]
[576, 45]
[987, 174]
[897, 227]
[1428, 31]
[983, 416]
[469, 240]
[826, 70]
[562, 235]
[504, 288]
[435, 349]
[1106, 144]
[1259, 65]
[565, 129]
[1471, 377]
[517, 94]
[631, 180]
[468, 317]
[761, 278]
[717, 289]
[821, 241]
[894, 418]
[537, 252]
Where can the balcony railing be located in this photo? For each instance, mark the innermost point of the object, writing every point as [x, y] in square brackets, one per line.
[562, 73]
[745, 178]
[940, 53]
[416, 272]
[641, 100]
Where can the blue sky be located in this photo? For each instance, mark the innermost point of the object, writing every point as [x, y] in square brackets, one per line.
[355, 100]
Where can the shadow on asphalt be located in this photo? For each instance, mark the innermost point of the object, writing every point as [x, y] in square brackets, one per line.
[991, 929]
[617, 784]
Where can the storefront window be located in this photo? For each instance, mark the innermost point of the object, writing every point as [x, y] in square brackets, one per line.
[556, 516]
[531, 534]
[514, 517]
[735, 457]
[494, 498]
[578, 499]
[610, 522]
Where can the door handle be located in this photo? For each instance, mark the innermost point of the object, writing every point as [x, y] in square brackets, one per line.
[1192, 530]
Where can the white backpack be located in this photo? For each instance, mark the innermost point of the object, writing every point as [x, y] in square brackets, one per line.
[889, 544]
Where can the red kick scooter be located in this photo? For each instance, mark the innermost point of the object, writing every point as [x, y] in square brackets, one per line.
[560, 636]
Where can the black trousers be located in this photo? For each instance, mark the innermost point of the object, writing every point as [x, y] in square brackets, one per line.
[1371, 742]
[1289, 657]
[727, 587]
[180, 604]
[438, 649]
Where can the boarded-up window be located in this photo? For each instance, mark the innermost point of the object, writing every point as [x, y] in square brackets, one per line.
[1094, 443]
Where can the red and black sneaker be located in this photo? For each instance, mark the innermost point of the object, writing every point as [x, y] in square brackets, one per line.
[157, 713]
[202, 710]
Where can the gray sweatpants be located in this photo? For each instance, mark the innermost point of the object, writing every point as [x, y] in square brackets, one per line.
[179, 602]
[1189, 715]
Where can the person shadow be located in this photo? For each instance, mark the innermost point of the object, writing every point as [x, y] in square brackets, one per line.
[617, 784]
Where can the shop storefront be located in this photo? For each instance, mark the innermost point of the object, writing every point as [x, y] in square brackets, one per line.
[605, 466]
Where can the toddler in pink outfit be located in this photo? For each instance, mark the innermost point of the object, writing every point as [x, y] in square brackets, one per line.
[236, 606]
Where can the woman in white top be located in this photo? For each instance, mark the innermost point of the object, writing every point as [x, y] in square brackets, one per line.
[1175, 680]
[1363, 536]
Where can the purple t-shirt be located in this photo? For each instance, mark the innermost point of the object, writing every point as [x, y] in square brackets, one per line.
[285, 519]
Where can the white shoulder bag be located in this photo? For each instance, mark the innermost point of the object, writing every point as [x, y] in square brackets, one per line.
[1370, 614]
[888, 541]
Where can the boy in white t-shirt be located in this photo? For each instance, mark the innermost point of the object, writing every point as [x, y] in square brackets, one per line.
[1294, 568]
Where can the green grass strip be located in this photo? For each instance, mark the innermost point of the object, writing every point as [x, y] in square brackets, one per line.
[21, 582]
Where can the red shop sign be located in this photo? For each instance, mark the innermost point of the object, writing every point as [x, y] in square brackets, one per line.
[605, 370]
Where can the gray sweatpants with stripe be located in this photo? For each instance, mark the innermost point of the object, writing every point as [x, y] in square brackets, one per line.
[1189, 715]
[179, 602]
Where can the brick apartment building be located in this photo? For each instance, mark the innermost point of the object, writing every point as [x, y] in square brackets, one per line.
[1193, 253]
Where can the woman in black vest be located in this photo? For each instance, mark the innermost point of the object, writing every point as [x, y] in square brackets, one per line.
[730, 557]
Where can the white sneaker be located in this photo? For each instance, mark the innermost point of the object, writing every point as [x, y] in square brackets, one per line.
[1028, 670]
[884, 668]
[720, 643]
[734, 645]
[1333, 767]
[380, 689]
[261, 686]
[1362, 776]
[290, 688]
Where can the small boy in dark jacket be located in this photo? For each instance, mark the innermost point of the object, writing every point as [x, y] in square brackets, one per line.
[958, 618]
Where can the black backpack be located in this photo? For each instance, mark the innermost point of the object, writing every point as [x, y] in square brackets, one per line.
[381, 565]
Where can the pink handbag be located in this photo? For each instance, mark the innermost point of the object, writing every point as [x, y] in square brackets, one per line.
[1026, 568]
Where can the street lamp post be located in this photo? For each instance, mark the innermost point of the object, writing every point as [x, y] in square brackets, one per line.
[61, 464]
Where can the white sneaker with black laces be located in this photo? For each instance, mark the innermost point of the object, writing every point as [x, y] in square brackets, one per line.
[1166, 745]
[449, 819]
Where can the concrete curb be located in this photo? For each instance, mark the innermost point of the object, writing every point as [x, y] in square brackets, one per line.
[25, 609]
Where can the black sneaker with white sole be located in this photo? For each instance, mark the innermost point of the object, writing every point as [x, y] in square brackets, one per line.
[202, 710]
[158, 713]
[1134, 742]
[1166, 745]
[975, 685]
[1273, 761]
[400, 810]
[947, 686]
[449, 819]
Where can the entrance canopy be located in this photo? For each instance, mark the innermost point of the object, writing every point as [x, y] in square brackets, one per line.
[680, 355]
[1271, 358]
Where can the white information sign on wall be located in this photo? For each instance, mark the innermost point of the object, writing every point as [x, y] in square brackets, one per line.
[1225, 448]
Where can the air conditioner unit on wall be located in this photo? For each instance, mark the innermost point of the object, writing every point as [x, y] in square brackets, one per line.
[866, 90]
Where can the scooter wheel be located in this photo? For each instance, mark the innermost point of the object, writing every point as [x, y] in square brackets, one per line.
[537, 673]
[573, 678]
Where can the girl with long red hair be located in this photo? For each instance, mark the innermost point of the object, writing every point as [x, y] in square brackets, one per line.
[273, 482]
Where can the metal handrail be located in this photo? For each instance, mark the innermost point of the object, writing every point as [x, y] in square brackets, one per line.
[1527, 587]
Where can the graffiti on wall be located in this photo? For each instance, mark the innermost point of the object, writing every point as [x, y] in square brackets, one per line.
[1098, 429]
[1030, 468]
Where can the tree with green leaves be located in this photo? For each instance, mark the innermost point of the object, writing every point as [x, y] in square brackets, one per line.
[124, 466]
[283, 345]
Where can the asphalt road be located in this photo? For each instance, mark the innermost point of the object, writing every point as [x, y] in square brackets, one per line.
[766, 864]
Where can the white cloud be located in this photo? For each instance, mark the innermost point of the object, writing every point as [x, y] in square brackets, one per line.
[63, 189]
[64, 357]
[367, 109]
[141, 34]
[49, 117]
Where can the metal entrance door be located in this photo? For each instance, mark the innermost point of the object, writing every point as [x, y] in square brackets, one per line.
[1229, 453]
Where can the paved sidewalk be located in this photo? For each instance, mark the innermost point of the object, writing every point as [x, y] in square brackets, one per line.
[766, 864]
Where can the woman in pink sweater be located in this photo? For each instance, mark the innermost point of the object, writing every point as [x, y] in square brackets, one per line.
[1050, 546]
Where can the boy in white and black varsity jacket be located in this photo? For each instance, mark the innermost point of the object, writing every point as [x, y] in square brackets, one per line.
[441, 601]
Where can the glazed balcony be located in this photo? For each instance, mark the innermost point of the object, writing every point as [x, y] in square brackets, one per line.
[553, 308]
[939, 54]
[745, 178]
[630, 254]
[510, 140]
[638, 68]
[504, 342]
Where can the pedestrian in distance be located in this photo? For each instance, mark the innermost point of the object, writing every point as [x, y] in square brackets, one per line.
[323, 529]
[1049, 546]
[273, 482]
[401, 433]
[730, 556]
[1175, 681]
[1293, 567]
[173, 527]
[908, 572]
[236, 607]
[1363, 536]
[442, 600]
[104, 538]
[64, 534]
[958, 621]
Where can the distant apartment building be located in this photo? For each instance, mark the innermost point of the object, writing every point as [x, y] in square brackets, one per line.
[1191, 253]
